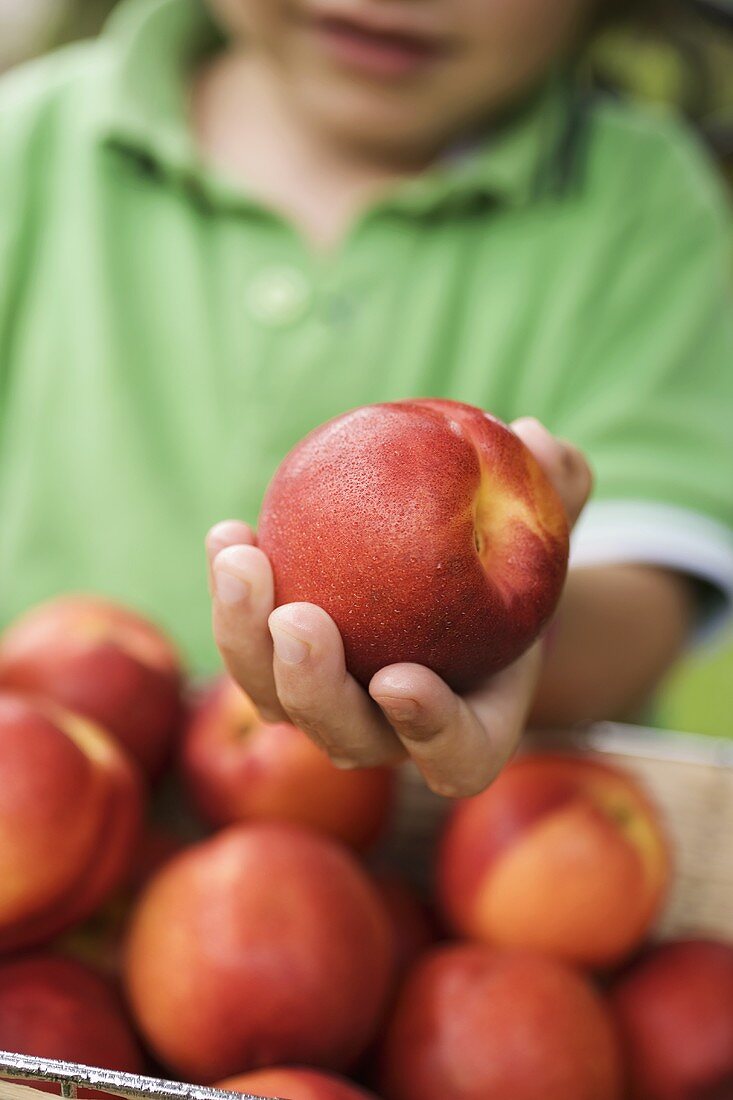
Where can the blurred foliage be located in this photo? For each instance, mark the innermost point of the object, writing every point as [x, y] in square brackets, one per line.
[86, 17]
[699, 696]
[681, 56]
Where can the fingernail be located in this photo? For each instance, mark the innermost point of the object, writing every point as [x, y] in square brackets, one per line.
[400, 708]
[230, 588]
[288, 648]
[343, 764]
[223, 534]
[540, 427]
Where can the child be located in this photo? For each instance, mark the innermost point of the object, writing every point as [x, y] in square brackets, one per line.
[223, 223]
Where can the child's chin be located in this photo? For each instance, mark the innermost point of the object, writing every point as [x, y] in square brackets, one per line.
[385, 123]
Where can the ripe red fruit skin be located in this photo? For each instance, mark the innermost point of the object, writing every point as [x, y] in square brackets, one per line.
[104, 661]
[297, 1084]
[478, 1023]
[674, 1008]
[53, 1007]
[562, 854]
[71, 810]
[427, 530]
[266, 944]
[237, 767]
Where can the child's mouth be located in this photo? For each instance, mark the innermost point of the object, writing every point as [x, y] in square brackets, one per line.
[375, 52]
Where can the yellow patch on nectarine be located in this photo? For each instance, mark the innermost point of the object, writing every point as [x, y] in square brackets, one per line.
[632, 818]
[574, 886]
[93, 741]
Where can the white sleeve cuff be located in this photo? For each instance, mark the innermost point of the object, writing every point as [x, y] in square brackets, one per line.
[617, 531]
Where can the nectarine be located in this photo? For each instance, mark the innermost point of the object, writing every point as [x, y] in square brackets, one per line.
[675, 1013]
[562, 854]
[480, 1023]
[426, 529]
[53, 1007]
[102, 661]
[295, 1084]
[70, 813]
[239, 768]
[265, 944]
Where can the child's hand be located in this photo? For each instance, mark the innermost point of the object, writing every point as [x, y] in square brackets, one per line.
[291, 661]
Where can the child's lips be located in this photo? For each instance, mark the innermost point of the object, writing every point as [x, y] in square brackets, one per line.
[380, 53]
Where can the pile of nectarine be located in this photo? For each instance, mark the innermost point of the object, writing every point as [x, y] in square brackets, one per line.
[252, 940]
[264, 944]
[186, 889]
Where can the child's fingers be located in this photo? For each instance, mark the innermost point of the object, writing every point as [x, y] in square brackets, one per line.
[243, 597]
[319, 695]
[443, 737]
[230, 532]
[563, 463]
[459, 744]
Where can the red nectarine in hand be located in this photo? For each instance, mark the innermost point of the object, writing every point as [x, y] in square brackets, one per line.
[426, 530]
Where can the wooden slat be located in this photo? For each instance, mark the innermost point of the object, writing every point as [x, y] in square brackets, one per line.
[9, 1090]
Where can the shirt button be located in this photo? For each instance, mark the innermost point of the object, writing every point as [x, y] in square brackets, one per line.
[338, 310]
[279, 296]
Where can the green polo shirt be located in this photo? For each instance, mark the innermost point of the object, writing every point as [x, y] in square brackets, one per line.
[165, 338]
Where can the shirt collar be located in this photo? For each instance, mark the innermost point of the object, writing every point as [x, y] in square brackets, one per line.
[154, 44]
[521, 159]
